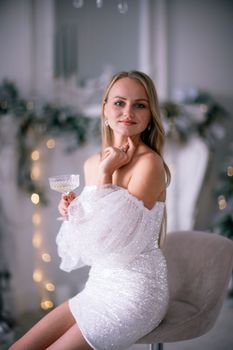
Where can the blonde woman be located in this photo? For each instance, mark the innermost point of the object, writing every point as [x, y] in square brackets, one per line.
[115, 226]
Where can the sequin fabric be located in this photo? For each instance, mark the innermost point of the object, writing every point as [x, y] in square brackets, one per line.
[126, 295]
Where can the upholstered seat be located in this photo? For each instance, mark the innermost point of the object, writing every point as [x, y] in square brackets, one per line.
[199, 270]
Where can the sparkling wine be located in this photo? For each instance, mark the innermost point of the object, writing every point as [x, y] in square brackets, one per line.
[62, 187]
[64, 183]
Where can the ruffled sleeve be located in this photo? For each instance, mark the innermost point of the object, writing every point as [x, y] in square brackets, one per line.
[69, 248]
[107, 224]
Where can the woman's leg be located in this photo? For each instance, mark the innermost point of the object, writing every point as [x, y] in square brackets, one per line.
[47, 330]
[71, 340]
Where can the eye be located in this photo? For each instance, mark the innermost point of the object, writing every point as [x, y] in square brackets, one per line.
[140, 105]
[119, 103]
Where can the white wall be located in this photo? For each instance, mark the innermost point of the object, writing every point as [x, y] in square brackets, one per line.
[199, 45]
[15, 41]
[104, 36]
[26, 39]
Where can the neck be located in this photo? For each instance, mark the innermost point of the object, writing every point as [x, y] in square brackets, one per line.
[120, 140]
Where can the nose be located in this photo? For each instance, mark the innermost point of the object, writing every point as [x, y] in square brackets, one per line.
[128, 112]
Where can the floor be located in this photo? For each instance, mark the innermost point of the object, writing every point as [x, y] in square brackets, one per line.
[220, 337]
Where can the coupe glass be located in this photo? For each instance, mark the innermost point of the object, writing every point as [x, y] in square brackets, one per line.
[64, 184]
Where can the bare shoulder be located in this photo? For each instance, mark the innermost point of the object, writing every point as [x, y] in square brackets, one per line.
[150, 162]
[148, 180]
[90, 168]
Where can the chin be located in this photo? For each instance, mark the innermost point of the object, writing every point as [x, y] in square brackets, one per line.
[127, 134]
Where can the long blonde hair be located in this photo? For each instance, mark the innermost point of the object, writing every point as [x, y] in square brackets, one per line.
[153, 136]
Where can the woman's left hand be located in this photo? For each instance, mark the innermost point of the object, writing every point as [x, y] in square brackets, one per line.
[64, 203]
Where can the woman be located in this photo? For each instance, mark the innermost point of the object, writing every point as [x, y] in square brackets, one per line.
[115, 226]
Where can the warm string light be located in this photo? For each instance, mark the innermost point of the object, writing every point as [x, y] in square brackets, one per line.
[35, 155]
[35, 172]
[222, 203]
[46, 304]
[51, 143]
[42, 256]
[36, 219]
[230, 170]
[35, 198]
[37, 239]
[50, 286]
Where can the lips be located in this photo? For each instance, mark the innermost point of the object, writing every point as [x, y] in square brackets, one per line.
[127, 122]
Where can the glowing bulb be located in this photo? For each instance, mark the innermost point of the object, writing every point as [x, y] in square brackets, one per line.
[35, 155]
[46, 257]
[222, 202]
[37, 240]
[230, 170]
[35, 198]
[46, 304]
[50, 287]
[37, 276]
[36, 219]
[35, 173]
[50, 143]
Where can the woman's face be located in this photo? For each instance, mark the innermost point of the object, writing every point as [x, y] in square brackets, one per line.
[127, 108]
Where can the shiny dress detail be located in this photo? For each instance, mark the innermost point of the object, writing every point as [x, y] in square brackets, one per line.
[126, 295]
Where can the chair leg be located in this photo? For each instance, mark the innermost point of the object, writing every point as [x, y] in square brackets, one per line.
[158, 346]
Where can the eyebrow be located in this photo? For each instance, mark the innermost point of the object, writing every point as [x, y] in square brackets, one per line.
[137, 99]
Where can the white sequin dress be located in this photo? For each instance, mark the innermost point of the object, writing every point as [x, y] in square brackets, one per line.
[126, 295]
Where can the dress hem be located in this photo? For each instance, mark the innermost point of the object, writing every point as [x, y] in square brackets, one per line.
[81, 329]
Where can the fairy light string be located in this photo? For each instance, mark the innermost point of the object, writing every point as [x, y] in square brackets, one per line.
[42, 256]
[222, 200]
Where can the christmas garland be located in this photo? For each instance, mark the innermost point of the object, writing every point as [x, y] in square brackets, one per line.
[34, 124]
[196, 115]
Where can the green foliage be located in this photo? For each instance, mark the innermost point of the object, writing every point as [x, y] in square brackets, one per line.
[34, 124]
[198, 115]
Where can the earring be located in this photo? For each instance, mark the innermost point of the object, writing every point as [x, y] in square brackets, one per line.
[106, 122]
[149, 127]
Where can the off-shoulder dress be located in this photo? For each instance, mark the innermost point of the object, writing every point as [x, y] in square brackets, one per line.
[126, 294]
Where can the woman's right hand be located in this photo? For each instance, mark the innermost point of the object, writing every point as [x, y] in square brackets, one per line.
[114, 158]
[64, 203]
